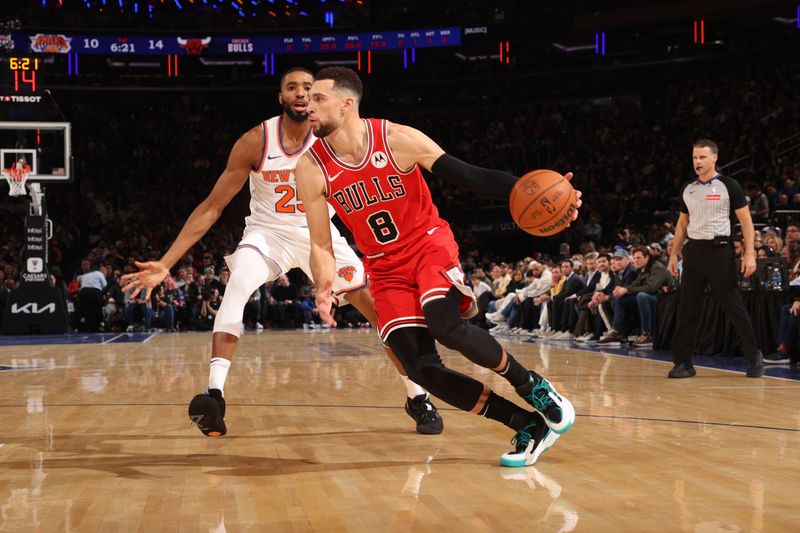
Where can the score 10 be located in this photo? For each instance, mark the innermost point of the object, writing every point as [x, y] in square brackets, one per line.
[24, 69]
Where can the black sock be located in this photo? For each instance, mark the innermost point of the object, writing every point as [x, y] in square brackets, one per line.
[505, 412]
[515, 373]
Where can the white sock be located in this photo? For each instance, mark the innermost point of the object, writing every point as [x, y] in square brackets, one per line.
[412, 389]
[217, 372]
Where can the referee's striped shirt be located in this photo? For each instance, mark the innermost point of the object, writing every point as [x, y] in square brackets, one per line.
[711, 206]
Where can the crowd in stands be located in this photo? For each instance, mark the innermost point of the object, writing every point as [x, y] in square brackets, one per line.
[140, 173]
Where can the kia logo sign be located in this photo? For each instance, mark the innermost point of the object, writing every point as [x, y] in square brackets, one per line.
[32, 308]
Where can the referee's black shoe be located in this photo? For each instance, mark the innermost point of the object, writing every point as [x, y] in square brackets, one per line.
[755, 366]
[682, 370]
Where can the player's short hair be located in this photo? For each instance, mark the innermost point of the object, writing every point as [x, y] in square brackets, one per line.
[295, 69]
[706, 143]
[343, 78]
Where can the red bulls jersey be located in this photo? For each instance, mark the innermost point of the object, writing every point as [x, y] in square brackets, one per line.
[385, 207]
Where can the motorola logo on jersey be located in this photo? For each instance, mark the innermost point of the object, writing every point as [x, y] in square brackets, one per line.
[379, 160]
[361, 194]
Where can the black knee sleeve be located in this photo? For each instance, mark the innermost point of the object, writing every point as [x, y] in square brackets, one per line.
[446, 326]
[444, 322]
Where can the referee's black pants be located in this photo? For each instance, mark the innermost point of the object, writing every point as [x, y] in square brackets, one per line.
[703, 263]
[91, 306]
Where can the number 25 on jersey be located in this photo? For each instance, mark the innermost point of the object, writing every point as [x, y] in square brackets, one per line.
[290, 201]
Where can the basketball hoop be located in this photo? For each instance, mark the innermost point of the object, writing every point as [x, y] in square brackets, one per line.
[17, 176]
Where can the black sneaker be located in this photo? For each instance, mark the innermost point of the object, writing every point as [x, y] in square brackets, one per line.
[207, 412]
[425, 415]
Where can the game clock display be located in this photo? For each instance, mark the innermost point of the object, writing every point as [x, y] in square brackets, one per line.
[24, 73]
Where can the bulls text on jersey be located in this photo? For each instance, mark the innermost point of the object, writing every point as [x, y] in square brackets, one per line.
[361, 194]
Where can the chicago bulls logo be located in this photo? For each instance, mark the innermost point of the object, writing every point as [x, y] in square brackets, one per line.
[194, 47]
[347, 273]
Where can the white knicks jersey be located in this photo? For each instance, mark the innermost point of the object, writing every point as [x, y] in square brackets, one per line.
[273, 192]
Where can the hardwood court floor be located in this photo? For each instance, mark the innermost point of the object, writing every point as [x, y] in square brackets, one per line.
[97, 439]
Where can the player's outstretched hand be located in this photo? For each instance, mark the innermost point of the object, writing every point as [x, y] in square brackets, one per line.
[578, 194]
[150, 274]
[324, 306]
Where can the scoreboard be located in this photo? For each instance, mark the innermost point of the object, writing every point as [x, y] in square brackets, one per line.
[218, 45]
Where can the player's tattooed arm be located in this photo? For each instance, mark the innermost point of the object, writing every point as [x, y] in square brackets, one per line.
[311, 189]
[410, 146]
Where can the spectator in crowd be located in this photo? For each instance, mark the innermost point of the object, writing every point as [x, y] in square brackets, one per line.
[759, 206]
[252, 310]
[792, 234]
[137, 308]
[208, 310]
[596, 324]
[482, 292]
[311, 318]
[585, 295]
[210, 282]
[113, 310]
[787, 329]
[500, 281]
[288, 308]
[623, 275]
[161, 302]
[638, 300]
[224, 277]
[564, 313]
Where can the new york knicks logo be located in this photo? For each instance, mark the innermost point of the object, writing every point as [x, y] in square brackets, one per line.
[50, 44]
[347, 273]
[379, 160]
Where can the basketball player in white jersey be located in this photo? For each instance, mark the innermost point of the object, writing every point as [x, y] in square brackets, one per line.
[276, 238]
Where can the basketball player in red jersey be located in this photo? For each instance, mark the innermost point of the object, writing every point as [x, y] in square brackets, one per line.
[368, 170]
[275, 239]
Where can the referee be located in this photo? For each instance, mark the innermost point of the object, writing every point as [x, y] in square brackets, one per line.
[706, 205]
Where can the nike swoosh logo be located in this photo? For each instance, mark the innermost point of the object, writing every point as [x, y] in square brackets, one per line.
[270, 157]
[335, 175]
[430, 231]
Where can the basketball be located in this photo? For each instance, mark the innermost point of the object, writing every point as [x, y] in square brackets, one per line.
[543, 202]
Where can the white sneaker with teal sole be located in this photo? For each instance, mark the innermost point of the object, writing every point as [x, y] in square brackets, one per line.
[531, 442]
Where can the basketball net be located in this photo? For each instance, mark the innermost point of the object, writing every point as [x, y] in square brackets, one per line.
[16, 176]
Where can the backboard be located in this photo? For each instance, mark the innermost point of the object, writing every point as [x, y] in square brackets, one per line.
[45, 146]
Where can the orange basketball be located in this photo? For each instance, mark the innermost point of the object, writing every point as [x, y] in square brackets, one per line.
[543, 202]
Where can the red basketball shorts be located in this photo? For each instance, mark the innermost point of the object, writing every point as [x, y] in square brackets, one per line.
[403, 282]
